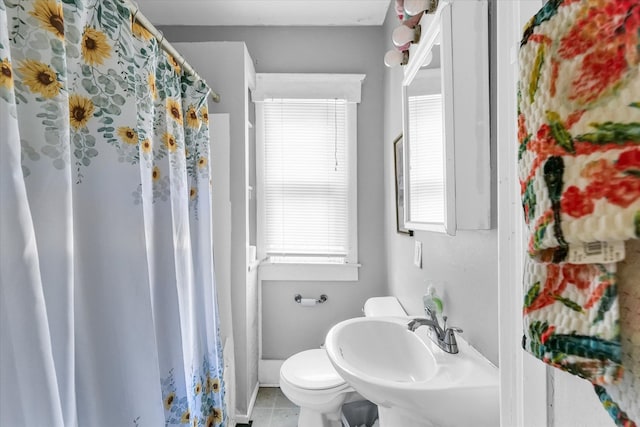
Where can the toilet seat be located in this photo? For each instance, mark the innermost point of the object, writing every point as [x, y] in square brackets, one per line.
[311, 370]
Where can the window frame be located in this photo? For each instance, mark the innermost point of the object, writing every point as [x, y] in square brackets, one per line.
[309, 86]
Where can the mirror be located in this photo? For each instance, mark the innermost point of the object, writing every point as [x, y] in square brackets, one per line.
[428, 128]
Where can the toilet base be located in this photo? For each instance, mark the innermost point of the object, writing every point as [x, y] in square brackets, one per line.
[310, 418]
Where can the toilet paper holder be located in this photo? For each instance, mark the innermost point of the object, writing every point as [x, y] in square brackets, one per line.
[309, 301]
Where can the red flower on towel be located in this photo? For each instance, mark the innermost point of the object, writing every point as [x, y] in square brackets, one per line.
[547, 333]
[579, 275]
[629, 160]
[607, 37]
[623, 191]
[576, 203]
[559, 276]
[618, 183]
[523, 134]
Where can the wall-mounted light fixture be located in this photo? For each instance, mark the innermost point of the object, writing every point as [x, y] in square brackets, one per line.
[414, 7]
[394, 58]
[409, 12]
[403, 35]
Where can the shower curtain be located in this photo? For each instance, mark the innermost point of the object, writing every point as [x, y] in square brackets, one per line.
[108, 311]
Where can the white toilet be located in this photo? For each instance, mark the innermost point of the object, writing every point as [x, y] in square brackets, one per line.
[310, 381]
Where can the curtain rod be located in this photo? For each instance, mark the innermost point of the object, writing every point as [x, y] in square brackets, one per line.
[164, 44]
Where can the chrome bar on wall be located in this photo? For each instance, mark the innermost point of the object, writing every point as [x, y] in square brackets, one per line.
[164, 44]
[309, 301]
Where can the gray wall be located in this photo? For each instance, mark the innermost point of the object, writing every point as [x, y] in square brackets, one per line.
[288, 327]
[464, 266]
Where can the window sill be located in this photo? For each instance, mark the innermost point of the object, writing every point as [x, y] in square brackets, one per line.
[308, 271]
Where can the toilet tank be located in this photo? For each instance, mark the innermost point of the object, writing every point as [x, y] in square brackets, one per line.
[383, 306]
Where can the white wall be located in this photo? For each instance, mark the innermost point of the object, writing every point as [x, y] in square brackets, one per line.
[465, 264]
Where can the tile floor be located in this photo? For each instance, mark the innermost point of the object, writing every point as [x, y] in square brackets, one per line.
[273, 409]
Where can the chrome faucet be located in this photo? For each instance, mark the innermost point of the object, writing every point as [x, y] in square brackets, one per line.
[444, 337]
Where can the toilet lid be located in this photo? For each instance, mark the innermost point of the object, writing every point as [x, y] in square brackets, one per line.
[311, 370]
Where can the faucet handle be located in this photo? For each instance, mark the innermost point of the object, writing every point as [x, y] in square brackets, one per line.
[430, 313]
[449, 342]
[453, 328]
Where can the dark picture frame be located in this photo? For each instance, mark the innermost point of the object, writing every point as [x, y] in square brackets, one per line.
[398, 167]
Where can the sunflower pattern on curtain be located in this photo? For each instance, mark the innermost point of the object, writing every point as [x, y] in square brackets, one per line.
[107, 292]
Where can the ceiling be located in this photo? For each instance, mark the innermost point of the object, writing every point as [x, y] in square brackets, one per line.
[265, 12]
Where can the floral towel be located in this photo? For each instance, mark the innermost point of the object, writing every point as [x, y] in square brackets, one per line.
[622, 400]
[579, 166]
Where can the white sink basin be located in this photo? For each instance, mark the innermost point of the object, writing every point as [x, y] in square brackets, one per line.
[412, 381]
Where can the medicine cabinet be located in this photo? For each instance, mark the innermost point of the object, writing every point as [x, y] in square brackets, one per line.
[445, 109]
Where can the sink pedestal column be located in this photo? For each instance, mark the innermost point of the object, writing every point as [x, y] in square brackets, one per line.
[394, 417]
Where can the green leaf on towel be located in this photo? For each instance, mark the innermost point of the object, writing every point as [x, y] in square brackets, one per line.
[637, 221]
[569, 303]
[621, 418]
[529, 201]
[635, 105]
[612, 133]
[536, 329]
[523, 146]
[584, 346]
[606, 301]
[539, 234]
[535, 74]
[553, 170]
[560, 134]
[532, 294]
[547, 12]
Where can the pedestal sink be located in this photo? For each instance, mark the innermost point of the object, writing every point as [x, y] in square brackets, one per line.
[413, 382]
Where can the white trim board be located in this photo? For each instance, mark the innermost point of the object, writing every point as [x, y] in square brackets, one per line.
[523, 380]
[307, 85]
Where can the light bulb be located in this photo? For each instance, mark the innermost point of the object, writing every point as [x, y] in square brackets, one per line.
[404, 47]
[414, 7]
[412, 21]
[393, 58]
[402, 35]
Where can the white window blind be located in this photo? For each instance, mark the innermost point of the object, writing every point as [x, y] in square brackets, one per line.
[426, 162]
[306, 178]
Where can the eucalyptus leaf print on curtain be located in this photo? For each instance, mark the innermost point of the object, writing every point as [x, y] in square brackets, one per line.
[109, 313]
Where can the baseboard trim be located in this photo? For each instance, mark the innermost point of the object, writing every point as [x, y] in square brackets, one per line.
[242, 418]
[269, 372]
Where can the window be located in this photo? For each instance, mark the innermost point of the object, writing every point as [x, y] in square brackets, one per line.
[306, 169]
[426, 167]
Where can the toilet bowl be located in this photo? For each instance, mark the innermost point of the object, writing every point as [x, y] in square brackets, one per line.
[309, 380]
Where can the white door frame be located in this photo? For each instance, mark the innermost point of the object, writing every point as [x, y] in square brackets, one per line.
[523, 379]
